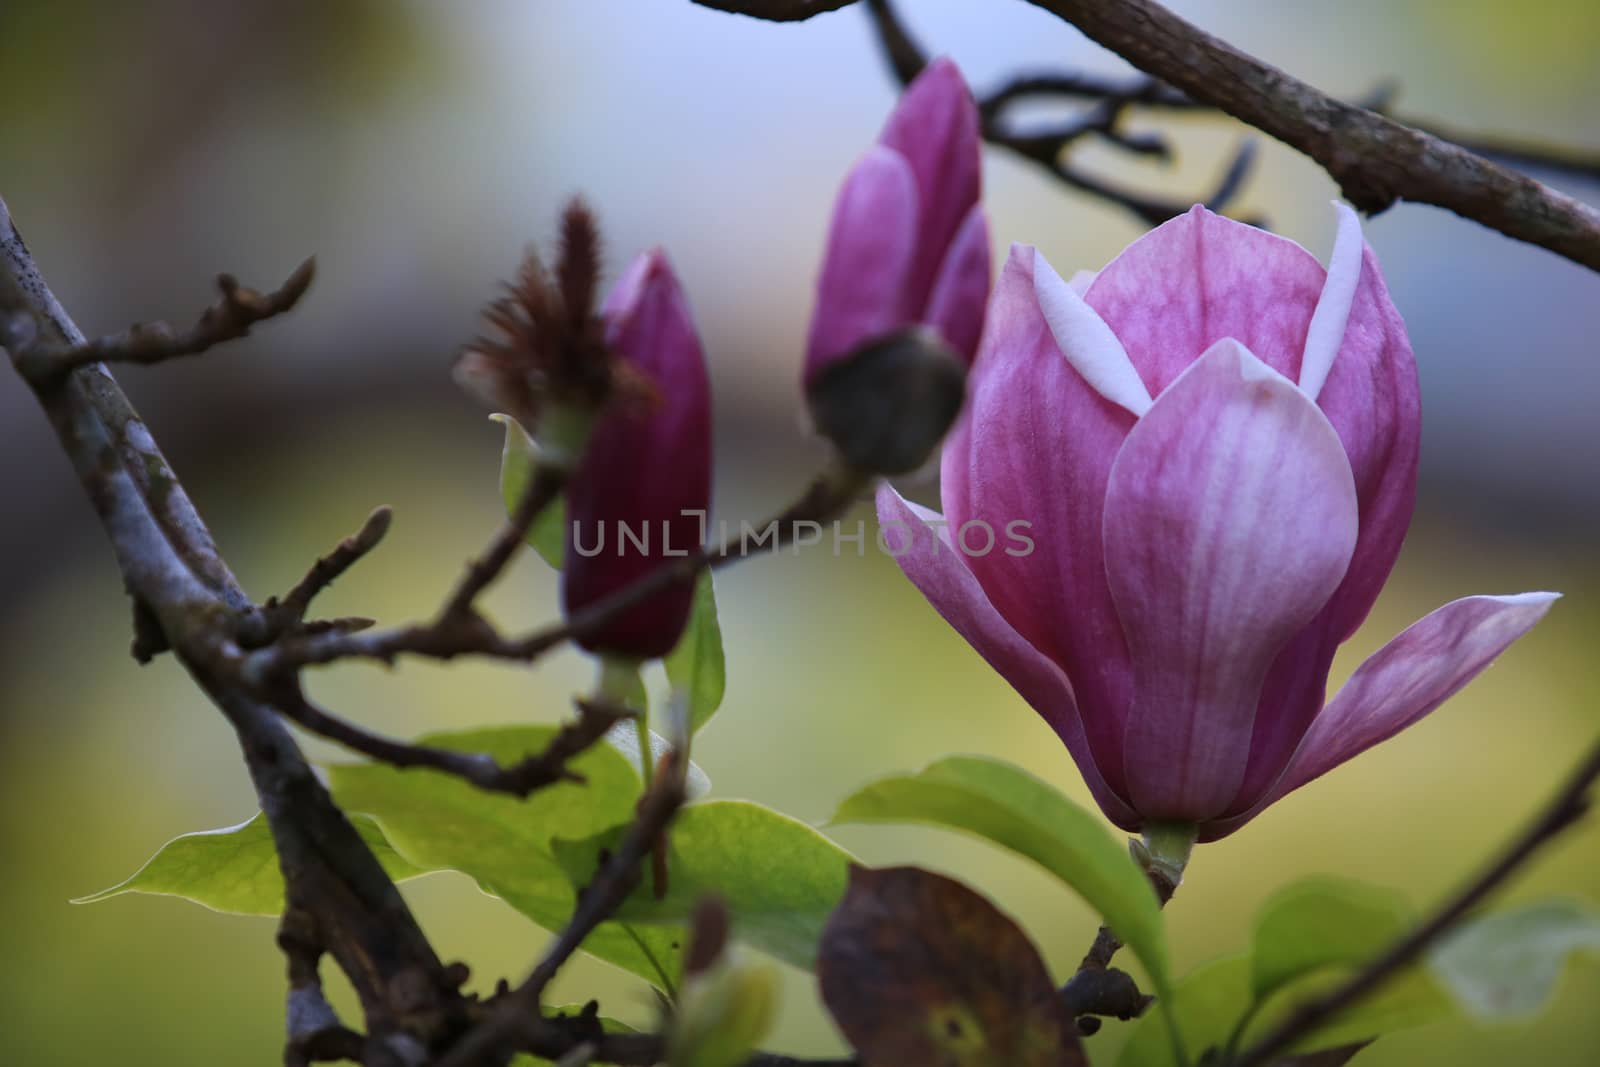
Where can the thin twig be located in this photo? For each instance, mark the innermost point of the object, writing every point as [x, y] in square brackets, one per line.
[450, 636]
[1048, 148]
[543, 487]
[508, 1024]
[526, 776]
[1567, 808]
[235, 312]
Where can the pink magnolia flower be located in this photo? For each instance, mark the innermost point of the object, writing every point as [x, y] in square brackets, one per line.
[1214, 443]
[639, 496]
[909, 244]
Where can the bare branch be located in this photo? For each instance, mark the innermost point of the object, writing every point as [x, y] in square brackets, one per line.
[1567, 808]
[507, 1027]
[546, 483]
[519, 779]
[331, 567]
[462, 634]
[235, 312]
[1375, 160]
[776, 10]
[334, 885]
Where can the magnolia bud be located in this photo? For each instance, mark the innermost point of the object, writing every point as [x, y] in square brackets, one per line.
[723, 1014]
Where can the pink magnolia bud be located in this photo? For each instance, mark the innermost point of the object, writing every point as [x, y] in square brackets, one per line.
[638, 500]
[1213, 445]
[909, 244]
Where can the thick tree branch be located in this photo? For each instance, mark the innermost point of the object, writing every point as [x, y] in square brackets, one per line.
[1375, 160]
[335, 888]
[1569, 805]
[33, 318]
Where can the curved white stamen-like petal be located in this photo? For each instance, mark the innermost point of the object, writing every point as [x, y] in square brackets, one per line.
[1087, 342]
[1326, 333]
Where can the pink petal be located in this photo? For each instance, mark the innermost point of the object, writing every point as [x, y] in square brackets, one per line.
[935, 127]
[1230, 518]
[645, 465]
[961, 288]
[868, 259]
[1198, 278]
[1035, 446]
[1404, 680]
[939, 571]
[1371, 398]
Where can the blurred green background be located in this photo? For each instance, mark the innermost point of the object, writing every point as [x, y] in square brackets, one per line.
[415, 147]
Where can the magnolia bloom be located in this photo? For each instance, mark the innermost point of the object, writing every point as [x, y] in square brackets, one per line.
[639, 496]
[1214, 445]
[909, 243]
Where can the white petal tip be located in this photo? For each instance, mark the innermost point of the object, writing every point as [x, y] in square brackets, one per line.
[1087, 342]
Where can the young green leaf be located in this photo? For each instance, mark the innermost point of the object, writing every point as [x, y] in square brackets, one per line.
[518, 458]
[1504, 966]
[918, 969]
[1006, 805]
[439, 822]
[696, 667]
[1322, 923]
[778, 877]
[235, 869]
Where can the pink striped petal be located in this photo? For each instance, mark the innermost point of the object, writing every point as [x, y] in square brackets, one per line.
[1198, 278]
[1404, 680]
[1035, 446]
[935, 127]
[940, 572]
[1230, 519]
[868, 259]
[961, 288]
[1371, 397]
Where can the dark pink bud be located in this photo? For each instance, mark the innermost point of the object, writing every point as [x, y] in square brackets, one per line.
[909, 243]
[638, 500]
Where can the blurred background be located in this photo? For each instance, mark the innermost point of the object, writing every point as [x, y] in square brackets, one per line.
[415, 147]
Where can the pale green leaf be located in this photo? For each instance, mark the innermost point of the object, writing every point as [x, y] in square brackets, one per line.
[696, 667]
[779, 877]
[1505, 965]
[235, 869]
[518, 458]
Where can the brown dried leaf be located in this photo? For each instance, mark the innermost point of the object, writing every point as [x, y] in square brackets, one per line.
[918, 969]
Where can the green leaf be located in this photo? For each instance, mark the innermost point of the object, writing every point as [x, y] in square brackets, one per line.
[1504, 966]
[779, 877]
[439, 822]
[518, 458]
[1008, 806]
[696, 667]
[235, 869]
[918, 969]
[1322, 923]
